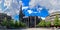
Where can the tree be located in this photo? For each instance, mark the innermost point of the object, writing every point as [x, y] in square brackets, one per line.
[42, 23]
[22, 25]
[59, 23]
[16, 24]
[56, 20]
[11, 23]
[48, 23]
[4, 23]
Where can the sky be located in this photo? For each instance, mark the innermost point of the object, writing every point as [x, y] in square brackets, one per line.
[10, 7]
[40, 8]
[36, 10]
[48, 6]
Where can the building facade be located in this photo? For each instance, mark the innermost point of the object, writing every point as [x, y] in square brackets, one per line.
[2, 16]
[30, 21]
[52, 16]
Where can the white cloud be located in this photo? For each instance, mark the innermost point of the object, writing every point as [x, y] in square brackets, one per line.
[1, 10]
[43, 18]
[30, 11]
[0, 1]
[20, 2]
[32, 3]
[8, 14]
[13, 9]
[51, 11]
[17, 12]
[15, 1]
[39, 9]
[7, 2]
[49, 4]
[24, 7]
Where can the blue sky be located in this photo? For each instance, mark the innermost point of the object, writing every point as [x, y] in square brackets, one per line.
[13, 8]
[34, 12]
[10, 10]
[48, 6]
[14, 13]
[43, 12]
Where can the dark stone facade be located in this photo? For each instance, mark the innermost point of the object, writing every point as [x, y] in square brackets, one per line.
[30, 21]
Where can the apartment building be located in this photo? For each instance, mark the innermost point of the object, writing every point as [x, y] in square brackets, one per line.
[52, 16]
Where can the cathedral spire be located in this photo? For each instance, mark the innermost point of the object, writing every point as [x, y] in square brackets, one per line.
[21, 13]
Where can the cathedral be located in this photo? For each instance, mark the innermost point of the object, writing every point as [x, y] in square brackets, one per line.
[30, 21]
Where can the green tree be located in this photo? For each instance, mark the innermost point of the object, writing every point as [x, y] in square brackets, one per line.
[59, 23]
[4, 23]
[56, 20]
[16, 24]
[42, 23]
[21, 24]
[48, 23]
[11, 23]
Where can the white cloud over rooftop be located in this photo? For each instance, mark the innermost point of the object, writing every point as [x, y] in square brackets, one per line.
[30, 11]
[50, 4]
